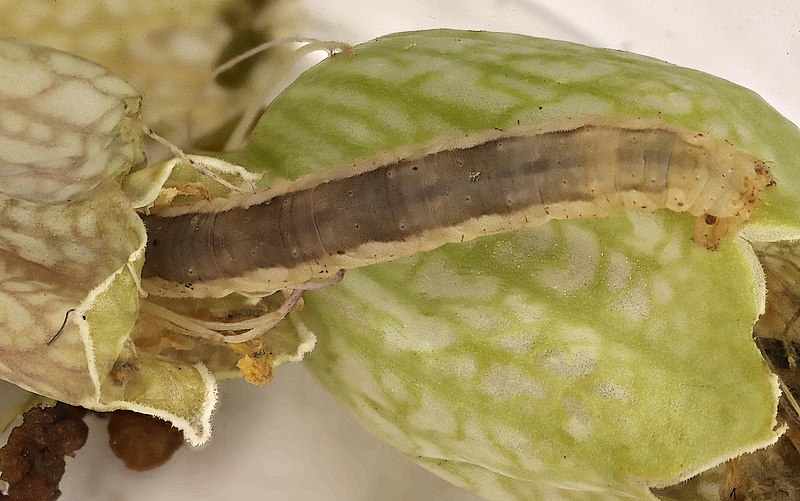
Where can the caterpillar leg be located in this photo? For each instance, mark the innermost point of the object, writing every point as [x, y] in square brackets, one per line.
[710, 229]
[240, 331]
[207, 166]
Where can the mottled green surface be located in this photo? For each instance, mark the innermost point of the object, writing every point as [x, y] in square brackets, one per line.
[584, 357]
[408, 88]
[704, 487]
[575, 354]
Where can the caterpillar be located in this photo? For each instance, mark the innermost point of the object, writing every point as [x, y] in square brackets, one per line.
[451, 190]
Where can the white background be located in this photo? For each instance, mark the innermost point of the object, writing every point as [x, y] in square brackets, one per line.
[290, 440]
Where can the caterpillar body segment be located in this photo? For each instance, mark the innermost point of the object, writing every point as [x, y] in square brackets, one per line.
[452, 190]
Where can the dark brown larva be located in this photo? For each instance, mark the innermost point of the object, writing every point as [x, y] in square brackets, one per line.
[451, 191]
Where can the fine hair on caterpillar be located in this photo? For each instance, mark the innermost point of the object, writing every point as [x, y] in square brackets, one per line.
[451, 190]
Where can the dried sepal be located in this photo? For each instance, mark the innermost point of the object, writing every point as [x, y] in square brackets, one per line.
[72, 245]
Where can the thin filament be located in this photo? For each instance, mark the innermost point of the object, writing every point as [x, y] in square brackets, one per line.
[254, 327]
[311, 45]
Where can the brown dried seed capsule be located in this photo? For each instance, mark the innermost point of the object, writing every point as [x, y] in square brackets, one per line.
[32, 461]
[142, 442]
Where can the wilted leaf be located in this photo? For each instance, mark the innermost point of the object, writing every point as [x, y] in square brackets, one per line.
[71, 244]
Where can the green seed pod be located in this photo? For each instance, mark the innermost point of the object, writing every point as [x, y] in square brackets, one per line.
[602, 356]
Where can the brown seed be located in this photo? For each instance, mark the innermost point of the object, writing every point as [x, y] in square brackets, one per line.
[32, 461]
[142, 442]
